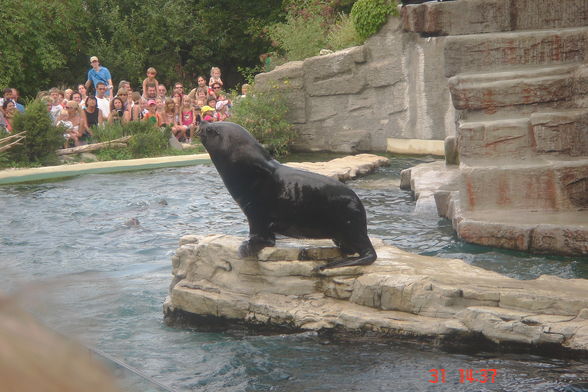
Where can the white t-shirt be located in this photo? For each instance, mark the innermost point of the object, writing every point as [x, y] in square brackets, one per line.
[104, 106]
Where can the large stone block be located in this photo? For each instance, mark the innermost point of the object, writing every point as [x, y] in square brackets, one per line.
[336, 73]
[485, 16]
[504, 138]
[384, 72]
[545, 14]
[561, 132]
[496, 51]
[489, 91]
[568, 240]
[455, 18]
[289, 75]
[540, 185]
[489, 233]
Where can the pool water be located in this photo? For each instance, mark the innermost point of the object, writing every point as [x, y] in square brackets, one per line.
[91, 257]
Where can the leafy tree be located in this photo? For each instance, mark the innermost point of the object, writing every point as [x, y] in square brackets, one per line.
[42, 43]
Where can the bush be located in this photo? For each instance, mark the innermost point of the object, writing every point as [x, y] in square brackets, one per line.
[263, 114]
[343, 34]
[300, 37]
[149, 143]
[42, 137]
[116, 131]
[369, 15]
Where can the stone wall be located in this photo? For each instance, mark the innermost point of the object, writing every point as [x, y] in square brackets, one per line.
[358, 98]
[518, 78]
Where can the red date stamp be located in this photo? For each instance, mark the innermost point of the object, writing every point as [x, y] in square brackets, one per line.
[483, 376]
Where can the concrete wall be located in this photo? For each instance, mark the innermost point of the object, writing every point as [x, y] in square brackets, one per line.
[358, 98]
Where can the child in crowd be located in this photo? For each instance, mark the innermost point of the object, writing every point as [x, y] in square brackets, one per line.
[152, 116]
[74, 123]
[136, 114]
[67, 95]
[150, 80]
[215, 76]
[169, 115]
[244, 89]
[208, 114]
[201, 94]
[187, 118]
[222, 111]
[56, 107]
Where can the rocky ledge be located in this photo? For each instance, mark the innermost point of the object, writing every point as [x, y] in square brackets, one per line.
[344, 168]
[445, 301]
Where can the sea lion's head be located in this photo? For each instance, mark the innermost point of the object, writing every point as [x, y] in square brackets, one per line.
[230, 142]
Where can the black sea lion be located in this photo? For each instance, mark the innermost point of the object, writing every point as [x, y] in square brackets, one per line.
[279, 199]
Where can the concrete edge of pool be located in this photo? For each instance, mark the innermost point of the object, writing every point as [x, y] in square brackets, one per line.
[15, 176]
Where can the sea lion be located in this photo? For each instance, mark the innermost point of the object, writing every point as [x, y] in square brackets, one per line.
[278, 199]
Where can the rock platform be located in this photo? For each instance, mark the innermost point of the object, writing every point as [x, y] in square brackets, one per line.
[445, 301]
[344, 168]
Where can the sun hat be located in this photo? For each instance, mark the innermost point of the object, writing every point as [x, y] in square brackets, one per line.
[207, 108]
[151, 102]
[220, 104]
[93, 58]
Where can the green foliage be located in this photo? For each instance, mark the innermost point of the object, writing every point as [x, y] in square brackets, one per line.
[42, 43]
[369, 15]
[150, 143]
[48, 43]
[113, 154]
[299, 37]
[42, 137]
[343, 34]
[263, 114]
[147, 140]
[312, 25]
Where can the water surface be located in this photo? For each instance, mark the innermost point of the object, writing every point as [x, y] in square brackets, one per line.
[91, 257]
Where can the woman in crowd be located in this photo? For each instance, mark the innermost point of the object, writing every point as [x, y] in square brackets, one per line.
[8, 112]
[118, 114]
[83, 91]
[73, 122]
[92, 113]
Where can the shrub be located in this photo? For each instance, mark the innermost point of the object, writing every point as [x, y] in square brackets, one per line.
[148, 143]
[300, 37]
[116, 131]
[369, 15]
[263, 114]
[343, 34]
[147, 140]
[42, 137]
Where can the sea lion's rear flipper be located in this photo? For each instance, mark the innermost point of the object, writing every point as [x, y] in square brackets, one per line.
[366, 258]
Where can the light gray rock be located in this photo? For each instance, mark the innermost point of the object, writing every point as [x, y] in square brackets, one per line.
[401, 294]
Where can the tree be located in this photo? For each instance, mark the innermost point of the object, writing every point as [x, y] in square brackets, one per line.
[42, 43]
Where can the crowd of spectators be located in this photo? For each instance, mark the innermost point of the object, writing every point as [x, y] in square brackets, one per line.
[96, 102]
